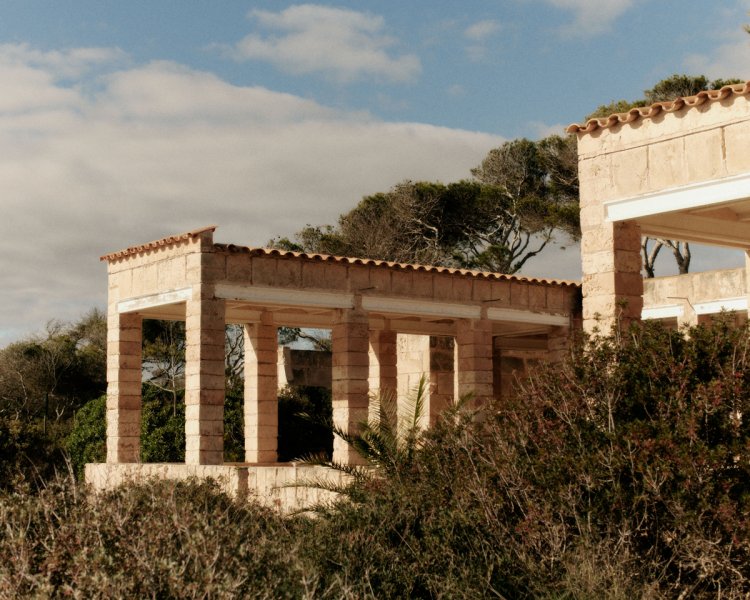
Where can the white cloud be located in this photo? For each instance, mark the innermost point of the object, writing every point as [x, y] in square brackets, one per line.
[731, 59]
[481, 30]
[148, 151]
[478, 34]
[592, 17]
[342, 44]
[60, 64]
[456, 90]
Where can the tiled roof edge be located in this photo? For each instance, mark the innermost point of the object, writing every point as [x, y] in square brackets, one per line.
[167, 241]
[647, 112]
[394, 265]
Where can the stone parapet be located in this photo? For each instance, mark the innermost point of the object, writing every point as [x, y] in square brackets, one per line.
[285, 487]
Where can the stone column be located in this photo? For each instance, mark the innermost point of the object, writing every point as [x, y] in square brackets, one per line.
[747, 280]
[558, 342]
[124, 335]
[261, 391]
[689, 318]
[204, 378]
[474, 352]
[441, 379]
[350, 340]
[383, 364]
[612, 281]
[499, 382]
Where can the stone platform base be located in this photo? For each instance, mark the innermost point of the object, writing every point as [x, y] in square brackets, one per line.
[272, 485]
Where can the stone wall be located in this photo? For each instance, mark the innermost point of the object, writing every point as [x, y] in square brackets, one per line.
[286, 487]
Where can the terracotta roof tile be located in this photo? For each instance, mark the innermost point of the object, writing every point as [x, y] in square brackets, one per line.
[167, 241]
[393, 265]
[647, 112]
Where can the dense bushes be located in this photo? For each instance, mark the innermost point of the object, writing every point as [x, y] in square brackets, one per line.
[622, 474]
[160, 540]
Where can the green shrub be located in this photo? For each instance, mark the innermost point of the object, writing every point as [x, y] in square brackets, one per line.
[30, 451]
[87, 440]
[162, 426]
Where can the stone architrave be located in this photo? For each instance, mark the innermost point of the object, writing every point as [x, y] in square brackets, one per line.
[204, 378]
[350, 344]
[261, 391]
[474, 353]
[124, 339]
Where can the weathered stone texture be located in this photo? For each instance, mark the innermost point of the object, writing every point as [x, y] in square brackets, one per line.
[123, 387]
[350, 342]
[204, 377]
[474, 355]
[261, 385]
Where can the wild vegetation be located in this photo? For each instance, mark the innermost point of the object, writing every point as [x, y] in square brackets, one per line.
[622, 473]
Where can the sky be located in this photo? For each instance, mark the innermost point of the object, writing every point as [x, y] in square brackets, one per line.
[124, 122]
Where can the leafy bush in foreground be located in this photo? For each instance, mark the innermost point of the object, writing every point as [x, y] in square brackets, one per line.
[161, 540]
[624, 473]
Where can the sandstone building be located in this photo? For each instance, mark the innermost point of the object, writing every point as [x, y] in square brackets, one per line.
[678, 170]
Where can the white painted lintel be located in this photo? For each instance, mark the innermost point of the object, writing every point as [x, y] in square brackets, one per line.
[687, 197]
[154, 300]
[726, 304]
[668, 311]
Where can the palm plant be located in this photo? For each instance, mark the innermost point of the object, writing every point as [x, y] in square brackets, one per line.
[386, 444]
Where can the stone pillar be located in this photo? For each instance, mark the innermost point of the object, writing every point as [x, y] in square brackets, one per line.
[689, 317]
[124, 335]
[509, 368]
[204, 378]
[612, 280]
[441, 391]
[350, 340]
[383, 364]
[499, 382]
[261, 391]
[558, 342]
[474, 352]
